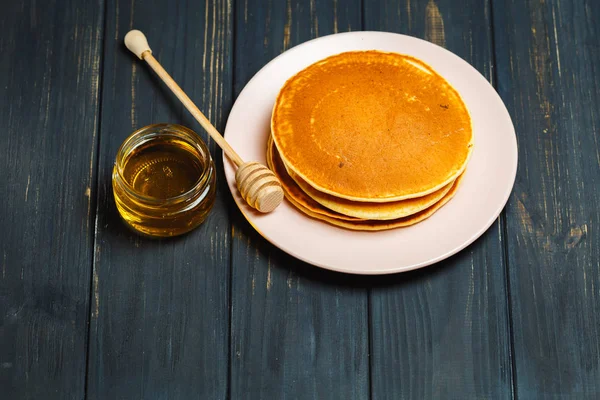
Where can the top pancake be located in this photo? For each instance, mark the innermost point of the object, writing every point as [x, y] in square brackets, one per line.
[372, 126]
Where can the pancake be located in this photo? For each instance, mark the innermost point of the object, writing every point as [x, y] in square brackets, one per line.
[370, 225]
[373, 127]
[362, 210]
[308, 206]
[293, 193]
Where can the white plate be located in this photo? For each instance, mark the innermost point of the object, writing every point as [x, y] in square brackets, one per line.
[485, 189]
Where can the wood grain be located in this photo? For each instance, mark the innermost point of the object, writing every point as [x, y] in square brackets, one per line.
[296, 331]
[443, 332]
[220, 313]
[160, 314]
[48, 114]
[548, 55]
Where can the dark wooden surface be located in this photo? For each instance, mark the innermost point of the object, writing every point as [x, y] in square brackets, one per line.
[548, 60]
[50, 61]
[90, 310]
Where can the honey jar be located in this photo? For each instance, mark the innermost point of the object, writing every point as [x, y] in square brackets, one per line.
[164, 180]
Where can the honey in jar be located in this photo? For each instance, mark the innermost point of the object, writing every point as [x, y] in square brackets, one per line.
[164, 180]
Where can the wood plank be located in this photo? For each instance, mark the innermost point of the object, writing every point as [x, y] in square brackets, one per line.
[548, 67]
[442, 332]
[297, 331]
[160, 312]
[49, 76]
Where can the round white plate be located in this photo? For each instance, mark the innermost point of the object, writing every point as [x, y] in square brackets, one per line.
[485, 189]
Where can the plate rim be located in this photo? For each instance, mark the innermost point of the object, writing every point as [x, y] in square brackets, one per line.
[383, 270]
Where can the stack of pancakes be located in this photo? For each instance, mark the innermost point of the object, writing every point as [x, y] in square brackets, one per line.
[369, 140]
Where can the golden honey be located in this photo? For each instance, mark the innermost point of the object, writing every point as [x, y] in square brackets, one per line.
[164, 180]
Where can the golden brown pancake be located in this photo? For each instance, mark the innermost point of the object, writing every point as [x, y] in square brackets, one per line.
[371, 225]
[356, 209]
[308, 206]
[293, 193]
[372, 126]
[365, 210]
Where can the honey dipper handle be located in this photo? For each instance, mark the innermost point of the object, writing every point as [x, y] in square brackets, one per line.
[136, 42]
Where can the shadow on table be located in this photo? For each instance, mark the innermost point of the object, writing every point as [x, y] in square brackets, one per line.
[283, 261]
[114, 227]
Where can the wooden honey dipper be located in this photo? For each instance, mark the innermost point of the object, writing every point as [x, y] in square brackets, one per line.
[257, 184]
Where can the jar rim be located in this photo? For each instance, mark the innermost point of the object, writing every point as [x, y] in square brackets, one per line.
[155, 130]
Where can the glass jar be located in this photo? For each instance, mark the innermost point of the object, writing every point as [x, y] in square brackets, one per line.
[164, 180]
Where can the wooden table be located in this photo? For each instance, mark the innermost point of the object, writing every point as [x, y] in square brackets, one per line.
[90, 310]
